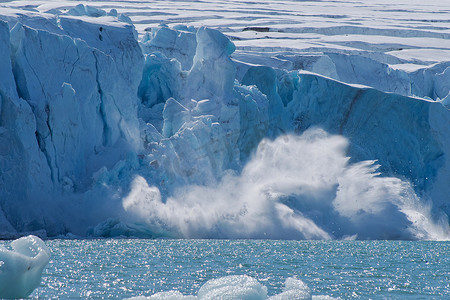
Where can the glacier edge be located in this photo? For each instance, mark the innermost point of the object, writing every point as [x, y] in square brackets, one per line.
[95, 110]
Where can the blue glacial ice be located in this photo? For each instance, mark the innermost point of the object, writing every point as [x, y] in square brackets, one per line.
[105, 135]
[22, 266]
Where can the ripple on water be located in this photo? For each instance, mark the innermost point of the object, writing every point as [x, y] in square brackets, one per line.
[346, 269]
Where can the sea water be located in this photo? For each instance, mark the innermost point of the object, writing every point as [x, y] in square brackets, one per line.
[121, 268]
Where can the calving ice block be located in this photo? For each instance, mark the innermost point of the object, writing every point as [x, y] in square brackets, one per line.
[21, 267]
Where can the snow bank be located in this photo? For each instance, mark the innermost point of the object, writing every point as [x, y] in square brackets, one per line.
[21, 267]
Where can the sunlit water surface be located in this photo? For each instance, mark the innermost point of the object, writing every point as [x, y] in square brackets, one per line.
[121, 268]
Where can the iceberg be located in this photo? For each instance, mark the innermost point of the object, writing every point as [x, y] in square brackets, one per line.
[21, 267]
[174, 131]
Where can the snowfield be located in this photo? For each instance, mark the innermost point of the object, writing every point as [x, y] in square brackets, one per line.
[225, 119]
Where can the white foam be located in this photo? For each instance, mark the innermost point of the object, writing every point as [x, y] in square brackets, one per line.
[294, 187]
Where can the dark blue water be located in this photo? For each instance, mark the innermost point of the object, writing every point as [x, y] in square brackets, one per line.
[346, 269]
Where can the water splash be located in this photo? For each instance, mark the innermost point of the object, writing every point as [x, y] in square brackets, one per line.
[294, 187]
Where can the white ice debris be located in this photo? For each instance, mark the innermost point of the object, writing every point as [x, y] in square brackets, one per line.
[241, 287]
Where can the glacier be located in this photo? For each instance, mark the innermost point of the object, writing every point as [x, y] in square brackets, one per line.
[171, 132]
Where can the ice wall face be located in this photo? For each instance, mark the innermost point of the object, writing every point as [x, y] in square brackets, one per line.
[105, 137]
[379, 125]
[69, 117]
[22, 163]
[405, 135]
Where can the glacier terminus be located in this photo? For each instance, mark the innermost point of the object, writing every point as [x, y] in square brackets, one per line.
[113, 125]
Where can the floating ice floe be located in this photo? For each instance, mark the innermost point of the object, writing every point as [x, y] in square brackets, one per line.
[21, 267]
[240, 287]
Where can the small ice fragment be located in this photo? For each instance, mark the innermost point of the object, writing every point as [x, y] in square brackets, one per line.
[21, 268]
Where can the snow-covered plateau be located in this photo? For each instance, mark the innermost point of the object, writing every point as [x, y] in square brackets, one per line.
[225, 119]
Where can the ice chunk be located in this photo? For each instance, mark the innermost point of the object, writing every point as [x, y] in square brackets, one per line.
[254, 119]
[233, 287]
[171, 295]
[21, 268]
[82, 10]
[240, 287]
[178, 43]
[212, 57]
[442, 84]
[175, 115]
[161, 79]
[113, 228]
[293, 289]
[265, 79]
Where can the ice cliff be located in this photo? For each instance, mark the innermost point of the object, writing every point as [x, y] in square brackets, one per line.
[103, 135]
